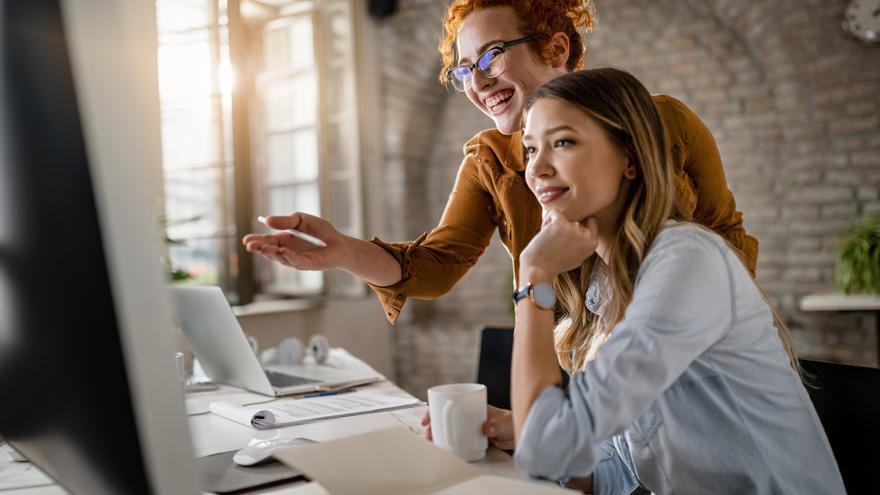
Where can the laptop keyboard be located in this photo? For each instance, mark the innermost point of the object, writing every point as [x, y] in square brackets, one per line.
[281, 380]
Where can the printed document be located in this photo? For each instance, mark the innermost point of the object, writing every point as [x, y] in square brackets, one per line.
[291, 412]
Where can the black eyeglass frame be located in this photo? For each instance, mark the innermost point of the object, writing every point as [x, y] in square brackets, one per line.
[501, 47]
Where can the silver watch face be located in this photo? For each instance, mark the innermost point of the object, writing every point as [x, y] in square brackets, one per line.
[544, 295]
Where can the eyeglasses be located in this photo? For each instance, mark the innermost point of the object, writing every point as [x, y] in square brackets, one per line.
[490, 64]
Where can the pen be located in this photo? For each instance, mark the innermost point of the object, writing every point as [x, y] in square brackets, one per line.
[327, 393]
[302, 235]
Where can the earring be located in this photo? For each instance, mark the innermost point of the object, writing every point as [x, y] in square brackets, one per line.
[630, 173]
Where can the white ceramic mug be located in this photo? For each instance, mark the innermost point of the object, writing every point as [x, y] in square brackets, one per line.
[458, 412]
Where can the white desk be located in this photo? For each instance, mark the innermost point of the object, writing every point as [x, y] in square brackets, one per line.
[835, 301]
[212, 434]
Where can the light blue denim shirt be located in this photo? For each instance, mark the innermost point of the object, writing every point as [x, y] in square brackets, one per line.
[691, 393]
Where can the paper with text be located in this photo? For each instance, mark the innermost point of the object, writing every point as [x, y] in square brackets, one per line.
[291, 412]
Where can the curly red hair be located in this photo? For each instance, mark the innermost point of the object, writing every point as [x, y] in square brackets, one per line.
[541, 18]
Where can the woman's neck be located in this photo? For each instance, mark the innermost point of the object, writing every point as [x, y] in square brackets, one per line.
[609, 221]
[605, 244]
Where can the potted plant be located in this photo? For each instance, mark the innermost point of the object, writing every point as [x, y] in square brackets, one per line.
[857, 270]
[176, 273]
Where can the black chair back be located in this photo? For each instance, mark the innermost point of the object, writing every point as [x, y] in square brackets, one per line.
[847, 399]
[496, 351]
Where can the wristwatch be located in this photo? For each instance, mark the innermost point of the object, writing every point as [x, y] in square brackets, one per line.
[542, 294]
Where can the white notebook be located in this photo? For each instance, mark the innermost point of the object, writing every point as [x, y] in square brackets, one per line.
[292, 412]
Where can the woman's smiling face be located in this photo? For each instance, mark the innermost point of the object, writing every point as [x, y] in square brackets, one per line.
[574, 167]
[501, 98]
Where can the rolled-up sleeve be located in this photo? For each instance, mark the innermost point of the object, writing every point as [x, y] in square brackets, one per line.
[682, 305]
[432, 264]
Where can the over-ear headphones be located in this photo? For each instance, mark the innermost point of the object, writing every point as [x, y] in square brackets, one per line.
[292, 351]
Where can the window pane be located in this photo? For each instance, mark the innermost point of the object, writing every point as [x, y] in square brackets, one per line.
[185, 65]
[341, 199]
[190, 134]
[199, 258]
[340, 91]
[292, 102]
[339, 32]
[292, 156]
[288, 199]
[340, 152]
[194, 193]
[287, 279]
[289, 47]
[301, 47]
[177, 15]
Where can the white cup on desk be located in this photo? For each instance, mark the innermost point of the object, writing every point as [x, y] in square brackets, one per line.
[458, 412]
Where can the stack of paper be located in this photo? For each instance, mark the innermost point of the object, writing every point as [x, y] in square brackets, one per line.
[395, 460]
[291, 412]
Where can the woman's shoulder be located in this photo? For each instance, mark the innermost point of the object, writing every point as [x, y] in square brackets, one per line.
[679, 231]
[679, 119]
[682, 124]
[495, 148]
[687, 241]
[671, 106]
[687, 254]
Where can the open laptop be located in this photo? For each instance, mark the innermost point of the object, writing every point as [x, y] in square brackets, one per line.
[223, 350]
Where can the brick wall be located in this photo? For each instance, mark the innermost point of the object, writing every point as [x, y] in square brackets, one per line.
[791, 101]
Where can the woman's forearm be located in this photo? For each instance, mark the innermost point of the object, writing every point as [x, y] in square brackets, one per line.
[535, 366]
[371, 263]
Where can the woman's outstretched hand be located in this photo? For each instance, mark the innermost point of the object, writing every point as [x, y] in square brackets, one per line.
[297, 253]
[498, 427]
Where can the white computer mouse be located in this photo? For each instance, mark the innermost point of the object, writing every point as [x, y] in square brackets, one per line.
[261, 452]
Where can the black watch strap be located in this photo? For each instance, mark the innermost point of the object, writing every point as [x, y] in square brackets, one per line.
[521, 293]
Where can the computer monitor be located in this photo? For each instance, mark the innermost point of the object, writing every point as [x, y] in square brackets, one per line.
[87, 385]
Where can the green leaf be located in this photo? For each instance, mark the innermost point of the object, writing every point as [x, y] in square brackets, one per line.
[857, 269]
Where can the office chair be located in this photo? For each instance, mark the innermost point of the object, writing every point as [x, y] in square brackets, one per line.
[496, 350]
[847, 399]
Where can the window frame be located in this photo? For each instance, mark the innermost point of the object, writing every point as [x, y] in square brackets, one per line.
[334, 283]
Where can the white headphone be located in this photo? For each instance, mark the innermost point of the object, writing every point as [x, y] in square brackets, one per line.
[292, 351]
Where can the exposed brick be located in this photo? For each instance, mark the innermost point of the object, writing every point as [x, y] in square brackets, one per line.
[820, 194]
[820, 227]
[847, 143]
[800, 211]
[866, 193]
[864, 107]
[844, 210]
[870, 158]
[838, 160]
[801, 275]
[848, 177]
[855, 124]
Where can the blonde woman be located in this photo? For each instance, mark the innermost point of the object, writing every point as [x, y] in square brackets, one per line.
[681, 382]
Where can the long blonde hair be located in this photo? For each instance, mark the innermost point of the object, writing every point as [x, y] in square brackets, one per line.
[626, 111]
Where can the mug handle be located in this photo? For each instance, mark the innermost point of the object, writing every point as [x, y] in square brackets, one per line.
[447, 424]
